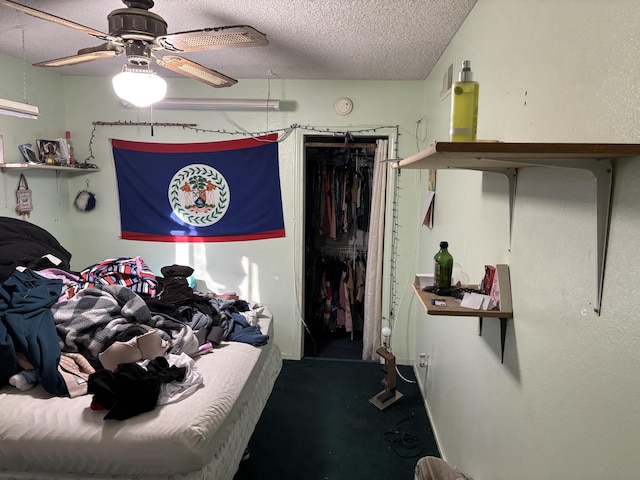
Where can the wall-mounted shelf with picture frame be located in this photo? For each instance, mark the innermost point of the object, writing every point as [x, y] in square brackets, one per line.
[33, 162]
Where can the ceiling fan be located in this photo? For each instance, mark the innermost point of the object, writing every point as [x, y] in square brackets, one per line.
[141, 35]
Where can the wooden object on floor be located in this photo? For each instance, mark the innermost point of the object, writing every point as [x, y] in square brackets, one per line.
[389, 395]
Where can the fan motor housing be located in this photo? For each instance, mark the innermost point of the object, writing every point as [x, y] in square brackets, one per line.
[137, 24]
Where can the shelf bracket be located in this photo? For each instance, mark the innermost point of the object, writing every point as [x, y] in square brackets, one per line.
[602, 171]
[503, 334]
[512, 178]
[58, 186]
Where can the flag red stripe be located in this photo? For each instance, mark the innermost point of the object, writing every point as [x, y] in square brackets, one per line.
[189, 239]
[194, 147]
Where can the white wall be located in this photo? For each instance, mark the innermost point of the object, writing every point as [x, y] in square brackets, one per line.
[269, 271]
[565, 403]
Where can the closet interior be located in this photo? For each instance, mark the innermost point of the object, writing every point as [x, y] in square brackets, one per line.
[338, 176]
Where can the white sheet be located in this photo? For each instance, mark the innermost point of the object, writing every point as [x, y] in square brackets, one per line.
[200, 437]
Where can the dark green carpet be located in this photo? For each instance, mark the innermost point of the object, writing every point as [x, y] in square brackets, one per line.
[335, 345]
[319, 424]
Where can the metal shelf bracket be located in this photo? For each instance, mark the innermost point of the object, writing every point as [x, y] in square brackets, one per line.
[503, 334]
[602, 171]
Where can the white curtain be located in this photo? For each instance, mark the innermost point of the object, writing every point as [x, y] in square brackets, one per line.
[371, 336]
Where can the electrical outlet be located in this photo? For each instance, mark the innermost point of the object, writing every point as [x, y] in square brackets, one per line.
[424, 360]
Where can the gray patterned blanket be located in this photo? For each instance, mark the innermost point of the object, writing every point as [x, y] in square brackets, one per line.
[94, 318]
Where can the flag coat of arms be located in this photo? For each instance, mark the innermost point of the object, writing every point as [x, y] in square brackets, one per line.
[199, 192]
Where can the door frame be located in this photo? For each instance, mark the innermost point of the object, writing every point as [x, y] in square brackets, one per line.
[391, 134]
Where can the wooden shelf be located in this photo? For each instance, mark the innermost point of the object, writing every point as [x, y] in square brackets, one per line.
[500, 155]
[453, 308]
[507, 158]
[54, 168]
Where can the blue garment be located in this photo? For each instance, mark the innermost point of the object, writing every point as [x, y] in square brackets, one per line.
[27, 326]
[243, 331]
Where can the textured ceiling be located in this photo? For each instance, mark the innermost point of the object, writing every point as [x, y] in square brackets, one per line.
[308, 39]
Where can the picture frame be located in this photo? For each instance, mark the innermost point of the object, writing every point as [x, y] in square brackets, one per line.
[29, 154]
[48, 148]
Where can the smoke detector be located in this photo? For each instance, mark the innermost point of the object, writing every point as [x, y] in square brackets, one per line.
[344, 106]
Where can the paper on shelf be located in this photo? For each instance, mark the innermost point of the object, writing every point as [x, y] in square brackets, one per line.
[424, 280]
[477, 301]
[427, 211]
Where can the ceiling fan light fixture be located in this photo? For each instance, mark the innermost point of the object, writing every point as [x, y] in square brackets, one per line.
[141, 34]
[139, 86]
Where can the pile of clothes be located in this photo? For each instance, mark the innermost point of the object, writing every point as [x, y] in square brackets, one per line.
[114, 329]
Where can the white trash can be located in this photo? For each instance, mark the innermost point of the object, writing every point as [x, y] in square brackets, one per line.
[434, 468]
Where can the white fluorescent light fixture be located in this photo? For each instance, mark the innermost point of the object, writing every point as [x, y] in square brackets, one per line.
[17, 109]
[217, 104]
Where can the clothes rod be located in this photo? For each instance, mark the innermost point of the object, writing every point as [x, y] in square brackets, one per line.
[343, 249]
[339, 145]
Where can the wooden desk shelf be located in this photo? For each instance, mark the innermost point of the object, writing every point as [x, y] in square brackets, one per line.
[453, 308]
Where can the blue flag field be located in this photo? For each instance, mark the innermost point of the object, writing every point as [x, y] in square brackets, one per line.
[199, 192]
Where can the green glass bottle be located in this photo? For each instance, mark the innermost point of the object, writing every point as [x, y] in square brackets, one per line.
[443, 263]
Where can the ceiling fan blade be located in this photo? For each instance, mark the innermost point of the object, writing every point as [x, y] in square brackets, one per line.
[52, 18]
[213, 39]
[196, 71]
[84, 55]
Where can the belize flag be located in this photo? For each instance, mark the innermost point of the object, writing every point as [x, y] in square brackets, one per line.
[199, 192]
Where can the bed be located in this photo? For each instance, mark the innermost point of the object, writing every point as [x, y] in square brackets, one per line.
[201, 436]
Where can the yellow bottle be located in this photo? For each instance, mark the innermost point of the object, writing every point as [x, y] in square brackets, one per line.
[464, 106]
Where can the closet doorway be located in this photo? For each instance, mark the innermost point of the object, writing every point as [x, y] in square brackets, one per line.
[338, 181]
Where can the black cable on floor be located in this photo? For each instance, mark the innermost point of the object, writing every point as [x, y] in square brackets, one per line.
[404, 443]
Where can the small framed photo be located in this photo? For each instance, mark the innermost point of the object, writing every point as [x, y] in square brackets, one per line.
[48, 148]
[29, 154]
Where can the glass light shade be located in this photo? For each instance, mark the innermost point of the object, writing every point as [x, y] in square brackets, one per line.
[139, 87]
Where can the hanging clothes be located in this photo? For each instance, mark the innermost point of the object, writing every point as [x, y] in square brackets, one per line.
[338, 184]
[339, 197]
[336, 289]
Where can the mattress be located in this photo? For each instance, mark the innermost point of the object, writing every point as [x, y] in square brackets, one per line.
[199, 437]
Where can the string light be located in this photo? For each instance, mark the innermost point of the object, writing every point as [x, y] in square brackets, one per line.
[285, 131]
